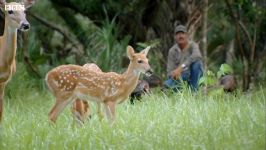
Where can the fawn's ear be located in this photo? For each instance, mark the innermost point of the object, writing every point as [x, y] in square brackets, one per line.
[130, 52]
[146, 50]
[2, 3]
[28, 3]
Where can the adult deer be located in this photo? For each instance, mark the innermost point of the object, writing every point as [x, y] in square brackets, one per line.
[14, 20]
[68, 82]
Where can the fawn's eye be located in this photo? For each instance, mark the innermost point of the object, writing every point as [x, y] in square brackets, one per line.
[10, 12]
[140, 61]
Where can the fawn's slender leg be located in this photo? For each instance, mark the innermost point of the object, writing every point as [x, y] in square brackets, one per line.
[110, 110]
[78, 119]
[99, 110]
[2, 90]
[58, 108]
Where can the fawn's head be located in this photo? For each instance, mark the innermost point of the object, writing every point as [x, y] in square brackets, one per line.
[139, 60]
[15, 13]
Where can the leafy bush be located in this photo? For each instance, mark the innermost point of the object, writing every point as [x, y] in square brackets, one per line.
[105, 49]
[210, 78]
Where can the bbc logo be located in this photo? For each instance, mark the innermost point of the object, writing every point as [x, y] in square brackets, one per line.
[14, 7]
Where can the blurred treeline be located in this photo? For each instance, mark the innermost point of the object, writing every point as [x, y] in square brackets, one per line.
[82, 31]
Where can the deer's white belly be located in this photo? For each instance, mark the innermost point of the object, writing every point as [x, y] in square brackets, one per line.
[83, 96]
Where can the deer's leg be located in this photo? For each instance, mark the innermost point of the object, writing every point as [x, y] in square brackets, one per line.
[2, 90]
[110, 110]
[99, 110]
[87, 110]
[58, 108]
[78, 110]
[78, 118]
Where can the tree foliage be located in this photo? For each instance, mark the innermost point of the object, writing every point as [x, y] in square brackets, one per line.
[77, 31]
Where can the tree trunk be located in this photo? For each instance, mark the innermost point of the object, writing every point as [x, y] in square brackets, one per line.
[230, 53]
[204, 41]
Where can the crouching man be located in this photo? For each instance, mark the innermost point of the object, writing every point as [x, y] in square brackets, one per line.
[184, 62]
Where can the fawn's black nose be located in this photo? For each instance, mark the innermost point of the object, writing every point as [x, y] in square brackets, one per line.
[25, 26]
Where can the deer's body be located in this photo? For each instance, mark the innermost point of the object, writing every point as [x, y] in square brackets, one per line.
[84, 84]
[8, 46]
[14, 20]
[68, 82]
[81, 108]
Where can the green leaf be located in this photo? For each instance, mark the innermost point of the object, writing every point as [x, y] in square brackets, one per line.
[224, 69]
[208, 79]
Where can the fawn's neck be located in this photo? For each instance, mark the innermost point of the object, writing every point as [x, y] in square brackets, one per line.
[131, 77]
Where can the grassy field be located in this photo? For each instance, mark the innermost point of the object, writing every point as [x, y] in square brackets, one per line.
[178, 121]
[175, 121]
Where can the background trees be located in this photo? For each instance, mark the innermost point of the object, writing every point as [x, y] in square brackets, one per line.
[68, 31]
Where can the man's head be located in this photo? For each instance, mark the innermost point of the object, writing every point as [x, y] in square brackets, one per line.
[181, 35]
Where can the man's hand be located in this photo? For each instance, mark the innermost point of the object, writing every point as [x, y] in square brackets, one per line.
[177, 72]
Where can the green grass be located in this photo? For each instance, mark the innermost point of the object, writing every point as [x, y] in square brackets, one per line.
[176, 121]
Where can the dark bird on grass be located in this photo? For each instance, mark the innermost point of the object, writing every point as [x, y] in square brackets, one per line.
[142, 88]
[153, 80]
[228, 83]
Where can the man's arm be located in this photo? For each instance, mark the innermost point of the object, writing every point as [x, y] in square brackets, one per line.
[173, 70]
[176, 73]
[195, 55]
